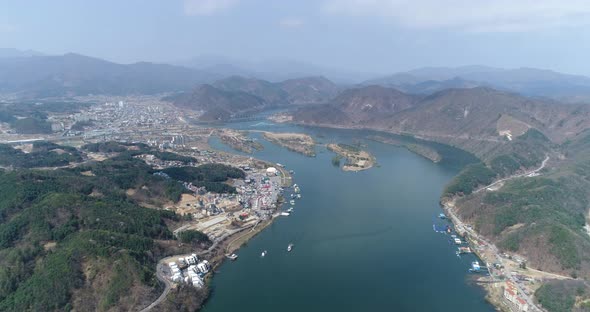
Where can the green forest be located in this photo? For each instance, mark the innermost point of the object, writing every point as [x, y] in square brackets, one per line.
[57, 227]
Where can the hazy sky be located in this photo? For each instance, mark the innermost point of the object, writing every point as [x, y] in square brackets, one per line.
[378, 36]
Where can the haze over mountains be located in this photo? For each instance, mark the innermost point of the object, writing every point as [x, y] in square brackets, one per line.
[32, 74]
[526, 81]
[74, 74]
[272, 70]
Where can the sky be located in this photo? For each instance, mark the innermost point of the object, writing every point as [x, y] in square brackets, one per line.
[376, 36]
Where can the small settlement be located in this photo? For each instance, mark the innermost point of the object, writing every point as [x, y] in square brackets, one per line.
[188, 270]
[220, 216]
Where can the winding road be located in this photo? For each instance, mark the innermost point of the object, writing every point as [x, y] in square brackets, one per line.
[163, 279]
[520, 175]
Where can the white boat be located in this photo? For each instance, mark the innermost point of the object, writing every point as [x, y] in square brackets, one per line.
[292, 202]
[233, 256]
[285, 214]
[263, 254]
[290, 247]
[290, 210]
[298, 196]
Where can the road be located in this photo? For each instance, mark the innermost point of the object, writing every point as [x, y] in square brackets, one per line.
[167, 284]
[520, 175]
[473, 234]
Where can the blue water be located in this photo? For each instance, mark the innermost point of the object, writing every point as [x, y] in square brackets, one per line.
[363, 241]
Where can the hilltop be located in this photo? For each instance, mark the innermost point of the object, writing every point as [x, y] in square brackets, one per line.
[239, 96]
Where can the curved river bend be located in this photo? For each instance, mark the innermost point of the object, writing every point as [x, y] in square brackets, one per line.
[363, 241]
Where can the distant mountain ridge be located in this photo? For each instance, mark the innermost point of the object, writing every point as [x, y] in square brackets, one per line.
[526, 81]
[75, 74]
[272, 70]
[10, 52]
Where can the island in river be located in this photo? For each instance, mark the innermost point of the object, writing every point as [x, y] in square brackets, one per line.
[296, 142]
[238, 140]
[420, 149]
[356, 158]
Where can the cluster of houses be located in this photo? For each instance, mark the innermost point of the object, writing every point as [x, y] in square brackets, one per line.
[189, 270]
[511, 294]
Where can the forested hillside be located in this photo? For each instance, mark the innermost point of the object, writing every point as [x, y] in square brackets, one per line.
[73, 238]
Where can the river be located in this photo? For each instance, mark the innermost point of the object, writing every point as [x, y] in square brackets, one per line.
[363, 241]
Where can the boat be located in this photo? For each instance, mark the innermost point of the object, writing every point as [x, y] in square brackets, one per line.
[292, 202]
[463, 250]
[458, 241]
[286, 214]
[263, 254]
[475, 267]
[298, 196]
[290, 210]
[442, 216]
[232, 257]
[290, 247]
[292, 195]
[291, 171]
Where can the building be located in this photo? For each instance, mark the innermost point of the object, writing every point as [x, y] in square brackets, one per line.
[522, 304]
[203, 266]
[271, 171]
[510, 292]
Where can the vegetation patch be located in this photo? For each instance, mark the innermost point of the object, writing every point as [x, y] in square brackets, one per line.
[469, 179]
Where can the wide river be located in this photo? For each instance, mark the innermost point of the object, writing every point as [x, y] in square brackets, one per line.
[363, 241]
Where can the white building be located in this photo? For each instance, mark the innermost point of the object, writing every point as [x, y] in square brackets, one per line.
[271, 171]
[522, 304]
[203, 266]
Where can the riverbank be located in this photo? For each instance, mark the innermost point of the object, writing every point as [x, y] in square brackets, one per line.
[502, 267]
[232, 224]
[356, 158]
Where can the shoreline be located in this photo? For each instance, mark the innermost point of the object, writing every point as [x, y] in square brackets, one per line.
[218, 251]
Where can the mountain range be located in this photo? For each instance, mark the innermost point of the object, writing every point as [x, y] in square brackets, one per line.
[476, 119]
[74, 74]
[526, 81]
[33, 74]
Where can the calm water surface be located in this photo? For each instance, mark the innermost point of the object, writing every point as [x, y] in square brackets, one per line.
[363, 241]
